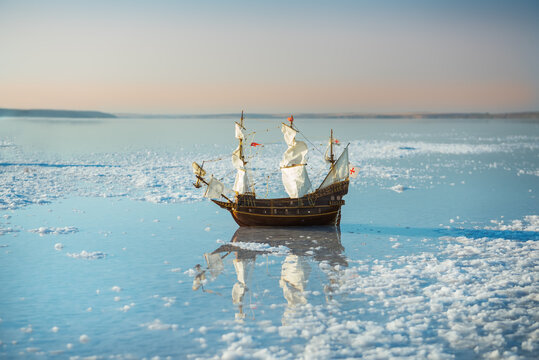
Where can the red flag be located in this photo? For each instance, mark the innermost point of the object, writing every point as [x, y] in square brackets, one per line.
[255, 144]
[353, 171]
[336, 141]
[291, 118]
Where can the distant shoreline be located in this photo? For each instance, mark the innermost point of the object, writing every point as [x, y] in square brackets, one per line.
[47, 113]
[531, 115]
[74, 114]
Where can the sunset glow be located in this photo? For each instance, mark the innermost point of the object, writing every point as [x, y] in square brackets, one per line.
[166, 57]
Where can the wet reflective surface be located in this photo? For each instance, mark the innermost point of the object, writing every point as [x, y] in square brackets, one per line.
[436, 255]
[298, 249]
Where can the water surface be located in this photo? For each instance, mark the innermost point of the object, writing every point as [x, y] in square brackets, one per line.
[101, 232]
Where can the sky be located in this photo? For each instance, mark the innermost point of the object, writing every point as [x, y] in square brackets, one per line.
[203, 56]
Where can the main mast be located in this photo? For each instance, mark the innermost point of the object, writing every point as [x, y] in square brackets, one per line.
[293, 165]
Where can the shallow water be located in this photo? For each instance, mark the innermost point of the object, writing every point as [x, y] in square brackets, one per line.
[101, 230]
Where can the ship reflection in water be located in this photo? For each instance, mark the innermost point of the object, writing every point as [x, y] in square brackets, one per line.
[299, 246]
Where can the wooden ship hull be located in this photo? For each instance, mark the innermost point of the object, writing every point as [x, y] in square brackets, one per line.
[321, 207]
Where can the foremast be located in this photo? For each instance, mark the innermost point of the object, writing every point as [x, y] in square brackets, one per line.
[241, 183]
[240, 137]
[215, 188]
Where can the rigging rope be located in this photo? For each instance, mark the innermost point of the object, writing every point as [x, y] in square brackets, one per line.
[321, 153]
[218, 159]
[252, 154]
[312, 144]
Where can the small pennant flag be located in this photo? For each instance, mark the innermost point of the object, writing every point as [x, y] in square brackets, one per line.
[354, 170]
[291, 118]
[255, 144]
[336, 142]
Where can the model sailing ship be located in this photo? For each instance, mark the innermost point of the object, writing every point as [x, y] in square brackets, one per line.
[302, 208]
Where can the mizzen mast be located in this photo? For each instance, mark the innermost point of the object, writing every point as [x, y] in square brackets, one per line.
[331, 157]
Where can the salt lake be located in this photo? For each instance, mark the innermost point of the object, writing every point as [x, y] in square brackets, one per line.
[101, 232]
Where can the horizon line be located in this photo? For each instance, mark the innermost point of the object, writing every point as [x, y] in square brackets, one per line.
[334, 114]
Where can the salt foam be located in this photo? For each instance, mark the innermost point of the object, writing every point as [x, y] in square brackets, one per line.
[54, 230]
[87, 255]
[528, 223]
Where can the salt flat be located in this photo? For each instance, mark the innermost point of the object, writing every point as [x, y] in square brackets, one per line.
[436, 256]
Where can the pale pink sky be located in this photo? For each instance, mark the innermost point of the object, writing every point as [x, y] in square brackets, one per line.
[205, 57]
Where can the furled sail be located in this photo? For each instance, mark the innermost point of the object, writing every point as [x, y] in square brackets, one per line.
[339, 172]
[294, 174]
[327, 156]
[239, 133]
[241, 184]
[198, 170]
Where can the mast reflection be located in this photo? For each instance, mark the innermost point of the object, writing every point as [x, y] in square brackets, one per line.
[298, 245]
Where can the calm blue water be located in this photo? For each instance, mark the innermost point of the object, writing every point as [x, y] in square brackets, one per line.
[101, 230]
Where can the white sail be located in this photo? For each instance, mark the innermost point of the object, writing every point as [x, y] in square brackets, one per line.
[294, 174]
[215, 189]
[340, 171]
[289, 134]
[237, 162]
[295, 155]
[241, 184]
[239, 133]
[296, 181]
[327, 158]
